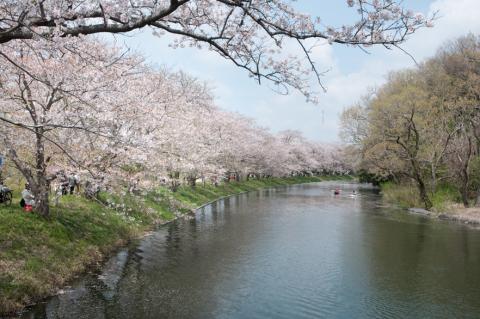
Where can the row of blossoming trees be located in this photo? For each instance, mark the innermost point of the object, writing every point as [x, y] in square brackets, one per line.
[73, 102]
[77, 104]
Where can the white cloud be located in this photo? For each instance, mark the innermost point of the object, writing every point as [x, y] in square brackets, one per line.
[456, 18]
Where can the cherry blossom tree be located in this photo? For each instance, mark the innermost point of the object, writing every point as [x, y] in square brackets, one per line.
[77, 104]
[61, 103]
[252, 34]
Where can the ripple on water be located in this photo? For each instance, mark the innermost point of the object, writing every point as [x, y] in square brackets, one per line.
[296, 252]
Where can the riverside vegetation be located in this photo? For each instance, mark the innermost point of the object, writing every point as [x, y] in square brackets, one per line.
[446, 202]
[419, 134]
[38, 256]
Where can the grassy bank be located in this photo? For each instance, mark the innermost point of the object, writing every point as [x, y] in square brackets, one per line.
[39, 256]
[407, 196]
[446, 202]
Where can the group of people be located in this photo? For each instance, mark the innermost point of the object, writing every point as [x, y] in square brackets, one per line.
[66, 185]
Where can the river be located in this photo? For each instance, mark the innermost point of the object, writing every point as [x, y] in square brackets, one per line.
[291, 252]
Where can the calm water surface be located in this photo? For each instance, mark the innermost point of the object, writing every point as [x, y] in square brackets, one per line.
[294, 252]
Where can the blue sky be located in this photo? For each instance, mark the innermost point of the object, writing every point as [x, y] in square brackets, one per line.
[351, 71]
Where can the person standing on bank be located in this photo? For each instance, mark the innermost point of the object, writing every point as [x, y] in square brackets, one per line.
[77, 183]
[28, 198]
[71, 183]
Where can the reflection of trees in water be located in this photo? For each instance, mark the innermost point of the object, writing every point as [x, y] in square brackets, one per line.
[419, 264]
[387, 261]
[193, 255]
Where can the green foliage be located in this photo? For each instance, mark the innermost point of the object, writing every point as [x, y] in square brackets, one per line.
[445, 194]
[38, 255]
[406, 195]
[403, 195]
[203, 194]
[475, 173]
[423, 124]
[366, 177]
[133, 168]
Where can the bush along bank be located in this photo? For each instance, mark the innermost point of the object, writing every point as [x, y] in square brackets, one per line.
[39, 256]
[446, 202]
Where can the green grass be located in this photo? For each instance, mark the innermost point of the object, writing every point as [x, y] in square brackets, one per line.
[406, 195]
[203, 194]
[38, 256]
[444, 197]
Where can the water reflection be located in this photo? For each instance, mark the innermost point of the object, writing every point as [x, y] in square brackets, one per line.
[292, 252]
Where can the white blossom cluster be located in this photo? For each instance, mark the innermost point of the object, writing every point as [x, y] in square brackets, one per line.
[79, 105]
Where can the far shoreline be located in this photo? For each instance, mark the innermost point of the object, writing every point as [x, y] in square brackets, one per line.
[470, 216]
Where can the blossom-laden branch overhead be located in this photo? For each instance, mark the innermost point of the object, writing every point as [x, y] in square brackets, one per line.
[252, 34]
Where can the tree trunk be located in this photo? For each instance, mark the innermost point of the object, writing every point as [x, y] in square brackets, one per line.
[464, 193]
[423, 195]
[464, 187]
[421, 186]
[434, 177]
[42, 201]
[174, 185]
[192, 181]
[465, 172]
[41, 188]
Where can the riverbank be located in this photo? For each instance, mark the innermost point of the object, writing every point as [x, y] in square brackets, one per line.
[445, 203]
[455, 213]
[38, 257]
